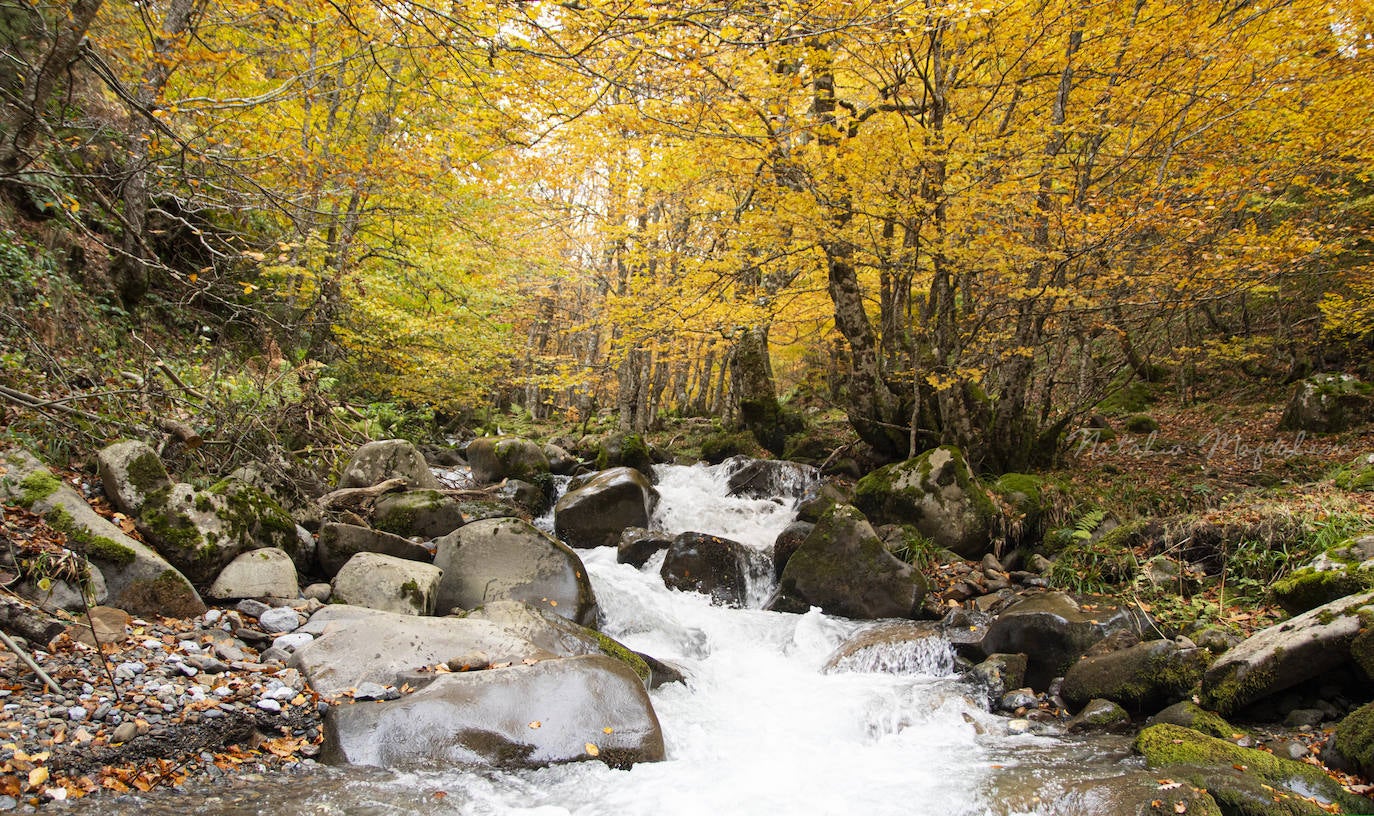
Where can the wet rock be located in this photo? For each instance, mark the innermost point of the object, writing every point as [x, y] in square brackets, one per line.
[638, 545]
[715, 566]
[1191, 715]
[357, 645]
[595, 514]
[560, 461]
[917, 647]
[770, 478]
[509, 559]
[340, 542]
[1140, 678]
[568, 710]
[1242, 780]
[423, 514]
[844, 569]
[261, 573]
[787, 543]
[1018, 699]
[999, 674]
[936, 493]
[1053, 632]
[1214, 639]
[1354, 740]
[390, 584]
[556, 634]
[1099, 715]
[1285, 654]
[384, 459]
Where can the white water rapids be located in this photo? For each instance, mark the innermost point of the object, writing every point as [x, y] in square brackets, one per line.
[758, 728]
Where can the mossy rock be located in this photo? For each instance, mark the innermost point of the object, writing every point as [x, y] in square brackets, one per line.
[200, 532]
[936, 493]
[507, 457]
[811, 447]
[1141, 424]
[37, 486]
[1355, 739]
[423, 513]
[95, 547]
[1139, 678]
[722, 445]
[1358, 475]
[1309, 588]
[1129, 399]
[1229, 773]
[625, 450]
[1328, 403]
[1189, 714]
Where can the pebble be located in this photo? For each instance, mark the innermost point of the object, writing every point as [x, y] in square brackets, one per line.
[280, 620]
[77, 713]
[252, 608]
[124, 732]
[268, 704]
[292, 641]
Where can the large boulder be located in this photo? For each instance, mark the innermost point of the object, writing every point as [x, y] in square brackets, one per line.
[137, 578]
[595, 514]
[420, 513]
[789, 541]
[1242, 780]
[844, 569]
[384, 459]
[1285, 654]
[1328, 403]
[261, 573]
[568, 710]
[510, 559]
[130, 471]
[1052, 631]
[357, 645]
[1354, 740]
[340, 542]
[637, 545]
[769, 478]
[1140, 678]
[390, 584]
[507, 457]
[715, 566]
[557, 634]
[201, 531]
[937, 494]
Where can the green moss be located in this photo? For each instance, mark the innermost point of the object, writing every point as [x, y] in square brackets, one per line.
[146, 473]
[721, 446]
[1308, 588]
[104, 549]
[1191, 715]
[1231, 691]
[1355, 738]
[167, 526]
[168, 594]
[1141, 424]
[411, 591]
[1167, 745]
[611, 647]
[37, 486]
[1130, 399]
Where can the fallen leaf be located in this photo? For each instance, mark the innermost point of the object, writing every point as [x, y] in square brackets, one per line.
[535, 724]
[592, 749]
[38, 776]
[607, 730]
[1180, 807]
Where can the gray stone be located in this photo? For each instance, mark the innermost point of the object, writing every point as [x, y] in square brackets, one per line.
[390, 584]
[376, 462]
[252, 607]
[936, 493]
[1285, 654]
[1144, 677]
[1099, 715]
[291, 641]
[715, 566]
[201, 531]
[356, 645]
[420, 513]
[1018, 699]
[788, 542]
[129, 472]
[567, 710]
[1328, 403]
[280, 620]
[509, 559]
[556, 634]
[321, 592]
[595, 514]
[999, 674]
[340, 542]
[137, 578]
[1051, 630]
[261, 573]
[771, 478]
[124, 732]
[844, 569]
[638, 545]
[560, 461]
[507, 457]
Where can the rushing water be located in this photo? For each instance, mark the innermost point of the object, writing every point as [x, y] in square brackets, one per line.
[758, 728]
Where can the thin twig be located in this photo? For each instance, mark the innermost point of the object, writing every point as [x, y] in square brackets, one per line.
[28, 661]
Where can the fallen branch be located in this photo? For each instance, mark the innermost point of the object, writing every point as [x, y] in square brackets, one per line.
[356, 496]
[182, 431]
[28, 661]
[30, 401]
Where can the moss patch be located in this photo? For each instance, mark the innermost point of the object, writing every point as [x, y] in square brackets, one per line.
[1355, 738]
[168, 594]
[146, 473]
[1308, 589]
[37, 486]
[611, 647]
[97, 548]
[1165, 745]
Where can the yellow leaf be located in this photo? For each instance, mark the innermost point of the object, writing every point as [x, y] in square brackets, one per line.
[607, 730]
[592, 749]
[193, 277]
[535, 724]
[39, 775]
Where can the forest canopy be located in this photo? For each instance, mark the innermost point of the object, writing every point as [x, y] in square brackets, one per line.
[958, 222]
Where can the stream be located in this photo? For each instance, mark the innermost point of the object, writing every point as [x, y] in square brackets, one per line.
[758, 728]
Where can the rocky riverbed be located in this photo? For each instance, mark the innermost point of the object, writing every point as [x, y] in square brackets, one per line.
[158, 703]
